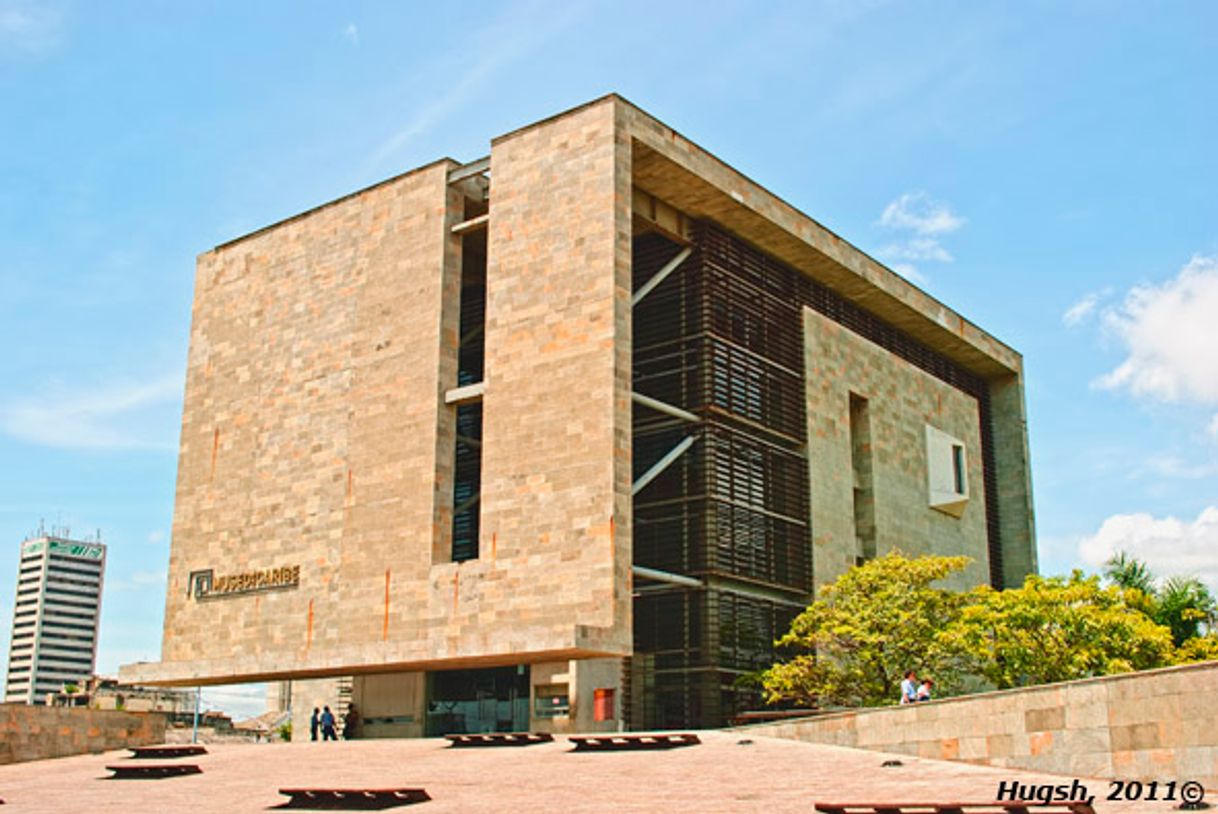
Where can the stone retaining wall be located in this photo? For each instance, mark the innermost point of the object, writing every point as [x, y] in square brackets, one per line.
[38, 732]
[1155, 725]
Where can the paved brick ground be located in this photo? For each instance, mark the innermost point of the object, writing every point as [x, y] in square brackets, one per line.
[768, 775]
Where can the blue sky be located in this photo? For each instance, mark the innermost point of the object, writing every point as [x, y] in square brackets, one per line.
[1048, 169]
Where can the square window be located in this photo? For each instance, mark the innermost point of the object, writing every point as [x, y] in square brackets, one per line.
[946, 472]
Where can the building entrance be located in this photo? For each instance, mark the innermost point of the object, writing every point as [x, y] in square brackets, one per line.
[469, 701]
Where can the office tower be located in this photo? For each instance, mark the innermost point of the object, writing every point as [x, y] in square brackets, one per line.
[55, 617]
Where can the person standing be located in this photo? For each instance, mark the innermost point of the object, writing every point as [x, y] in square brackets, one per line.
[314, 724]
[351, 724]
[925, 690]
[327, 725]
[909, 688]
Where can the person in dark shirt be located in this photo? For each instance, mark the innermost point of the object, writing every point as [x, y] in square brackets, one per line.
[314, 724]
[327, 725]
[351, 724]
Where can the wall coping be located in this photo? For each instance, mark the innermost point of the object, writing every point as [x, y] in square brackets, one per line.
[1109, 679]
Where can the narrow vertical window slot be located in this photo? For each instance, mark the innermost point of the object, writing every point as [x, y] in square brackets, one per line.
[467, 474]
[958, 469]
[861, 466]
[467, 482]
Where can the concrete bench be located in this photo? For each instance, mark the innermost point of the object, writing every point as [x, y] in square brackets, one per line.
[162, 752]
[352, 799]
[609, 743]
[955, 808]
[499, 739]
[144, 771]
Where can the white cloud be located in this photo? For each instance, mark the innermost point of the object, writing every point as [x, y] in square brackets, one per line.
[518, 31]
[910, 272]
[918, 248]
[351, 33]
[240, 701]
[27, 26]
[1212, 429]
[156, 537]
[1081, 310]
[1170, 332]
[115, 417]
[1168, 545]
[916, 211]
[1171, 466]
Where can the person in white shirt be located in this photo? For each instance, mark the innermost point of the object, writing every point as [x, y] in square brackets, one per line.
[909, 688]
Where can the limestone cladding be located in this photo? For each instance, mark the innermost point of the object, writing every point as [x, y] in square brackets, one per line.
[901, 401]
[308, 431]
[1154, 725]
[315, 432]
[39, 732]
[556, 427]
[1013, 474]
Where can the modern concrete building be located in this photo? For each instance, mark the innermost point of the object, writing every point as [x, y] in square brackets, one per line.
[55, 617]
[562, 438]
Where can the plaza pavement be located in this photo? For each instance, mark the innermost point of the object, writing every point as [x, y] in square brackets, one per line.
[767, 775]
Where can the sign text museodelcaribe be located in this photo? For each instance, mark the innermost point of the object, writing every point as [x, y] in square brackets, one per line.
[205, 584]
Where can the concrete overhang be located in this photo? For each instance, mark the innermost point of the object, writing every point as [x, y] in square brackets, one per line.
[681, 174]
[561, 644]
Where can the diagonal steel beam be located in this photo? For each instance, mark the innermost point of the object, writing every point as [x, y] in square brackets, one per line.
[662, 464]
[473, 333]
[465, 504]
[661, 275]
[667, 576]
[664, 407]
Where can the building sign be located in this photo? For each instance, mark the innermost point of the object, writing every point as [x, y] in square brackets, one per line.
[83, 551]
[206, 585]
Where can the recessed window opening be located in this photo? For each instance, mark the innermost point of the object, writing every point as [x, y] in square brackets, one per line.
[958, 468]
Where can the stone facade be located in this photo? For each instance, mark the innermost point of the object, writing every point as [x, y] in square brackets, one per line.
[1155, 725]
[39, 732]
[317, 436]
[314, 409]
[901, 401]
[556, 434]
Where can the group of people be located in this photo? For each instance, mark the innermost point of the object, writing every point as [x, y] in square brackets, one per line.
[324, 723]
[912, 692]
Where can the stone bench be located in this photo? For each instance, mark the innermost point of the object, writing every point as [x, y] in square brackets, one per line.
[499, 739]
[144, 771]
[955, 808]
[163, 752]
[609, 743]
[352, 799]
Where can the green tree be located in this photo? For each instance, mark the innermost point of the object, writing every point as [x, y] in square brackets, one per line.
[853, 645]
[1184, 605]
[1129, 573]
[1058, 629]
[1198, 648]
